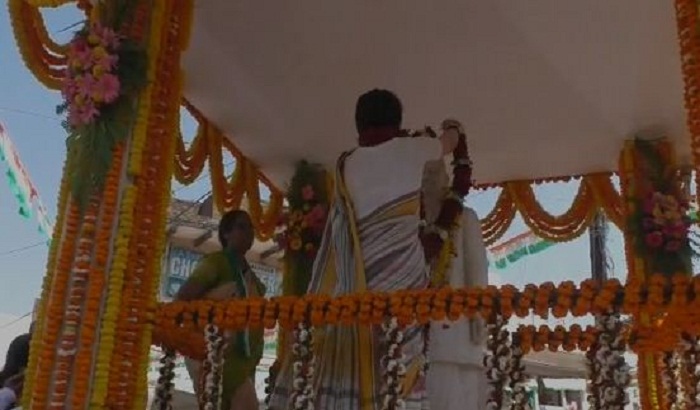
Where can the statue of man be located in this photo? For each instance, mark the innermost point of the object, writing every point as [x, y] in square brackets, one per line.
[456, 378]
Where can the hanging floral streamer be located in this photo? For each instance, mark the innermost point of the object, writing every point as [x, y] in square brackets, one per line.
[609, 375]
[302, 393]
[690, 353]
[392, 364]
[670, 381]
[518, 381]
[212, 368]
[497, 362]
[22, 186]
[165, 386]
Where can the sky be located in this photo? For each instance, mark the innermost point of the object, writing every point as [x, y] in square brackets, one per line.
[28, 111]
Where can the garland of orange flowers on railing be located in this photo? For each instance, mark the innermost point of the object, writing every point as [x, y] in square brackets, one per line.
[175, 321]
[538, 339]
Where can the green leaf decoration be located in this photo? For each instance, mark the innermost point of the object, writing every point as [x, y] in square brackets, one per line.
[92, 145]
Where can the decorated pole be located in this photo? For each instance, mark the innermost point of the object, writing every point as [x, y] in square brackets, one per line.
[656, 238]
[122, 84]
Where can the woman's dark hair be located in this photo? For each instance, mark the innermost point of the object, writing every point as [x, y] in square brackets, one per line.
[17, 357]
[376, 109]
[227, 222]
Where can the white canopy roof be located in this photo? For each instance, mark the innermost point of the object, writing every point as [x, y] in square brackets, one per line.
[545, 88]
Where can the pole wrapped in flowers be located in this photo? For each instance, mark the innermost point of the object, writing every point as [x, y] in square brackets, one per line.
[92, 337]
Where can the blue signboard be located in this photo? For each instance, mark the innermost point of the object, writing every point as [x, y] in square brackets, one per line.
[179, 264]
[178, 267]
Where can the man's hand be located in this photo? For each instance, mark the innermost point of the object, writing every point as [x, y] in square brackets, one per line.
[449, 124]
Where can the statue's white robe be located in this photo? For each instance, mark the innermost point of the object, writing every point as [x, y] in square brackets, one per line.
[456, 379]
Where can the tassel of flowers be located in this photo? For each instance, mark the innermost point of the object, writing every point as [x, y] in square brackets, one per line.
[690, 353]
[302, 389]
[165, 386]
[498, 361]
[212, 367]
[595, 378]
[678, 404]
[609, 375]
[393, 366]
[517, 377]
[669, 379]
[270, 381]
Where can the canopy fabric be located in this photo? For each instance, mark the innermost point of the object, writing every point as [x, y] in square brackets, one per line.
[546, 88]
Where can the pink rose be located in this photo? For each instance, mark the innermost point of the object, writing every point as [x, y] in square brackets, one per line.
[654, 239]
[307, 193]
[673, 246]
[316, 219]
[648, 224]
[648, 205]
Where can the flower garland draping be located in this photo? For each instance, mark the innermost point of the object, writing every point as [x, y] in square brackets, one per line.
[209, 145]
[687, 20]
[596, 191]
[437, 236]
[44, 58]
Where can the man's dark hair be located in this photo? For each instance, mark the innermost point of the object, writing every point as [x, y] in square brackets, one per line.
[227, 222]
[376, 109]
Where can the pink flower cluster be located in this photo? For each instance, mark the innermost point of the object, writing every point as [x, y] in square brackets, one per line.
[91, 79]
[304, 226]
[665, 222]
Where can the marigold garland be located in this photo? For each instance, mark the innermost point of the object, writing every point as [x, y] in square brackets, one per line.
[38, 345]
[29, 31]
[175, 320]
[208, 145]
[597, 190]
[687, 20]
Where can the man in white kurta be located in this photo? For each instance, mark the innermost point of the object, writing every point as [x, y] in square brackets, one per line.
[456, 378]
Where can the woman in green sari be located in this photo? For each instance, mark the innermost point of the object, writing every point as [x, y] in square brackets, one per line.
[224, 275]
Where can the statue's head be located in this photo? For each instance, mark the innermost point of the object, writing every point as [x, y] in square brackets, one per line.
[434, 186]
